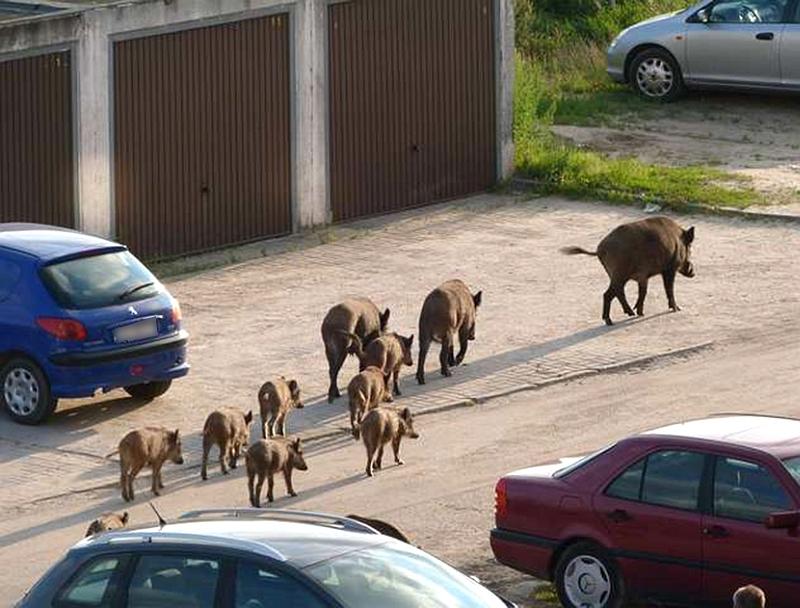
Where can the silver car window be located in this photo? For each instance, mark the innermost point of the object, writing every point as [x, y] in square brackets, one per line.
[393, 576]
[749, 11]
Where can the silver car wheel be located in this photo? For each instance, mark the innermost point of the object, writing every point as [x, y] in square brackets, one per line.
[587, 583]
[21, 391]
[655, 77]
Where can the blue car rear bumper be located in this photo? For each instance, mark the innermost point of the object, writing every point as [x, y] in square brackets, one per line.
[82, 373]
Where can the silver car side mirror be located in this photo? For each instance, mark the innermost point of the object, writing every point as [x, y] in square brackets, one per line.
[704, 15]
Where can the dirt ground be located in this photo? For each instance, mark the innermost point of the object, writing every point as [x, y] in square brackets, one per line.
[540, 323]
[753, 135]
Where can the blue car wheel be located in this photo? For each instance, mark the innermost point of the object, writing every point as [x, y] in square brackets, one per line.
[25, 392]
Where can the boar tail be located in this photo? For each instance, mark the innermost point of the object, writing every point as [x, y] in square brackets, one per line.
[262, 395]
[114, 453]
[356, 346]
[576, 251]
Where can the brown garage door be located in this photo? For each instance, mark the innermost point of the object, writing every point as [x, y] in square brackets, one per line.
[37, 171]
[412, 117]
[202, 151]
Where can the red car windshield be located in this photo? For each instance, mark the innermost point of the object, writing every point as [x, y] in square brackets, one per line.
[571, 468]
[793, 465]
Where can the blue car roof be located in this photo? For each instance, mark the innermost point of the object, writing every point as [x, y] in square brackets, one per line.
[50, 243]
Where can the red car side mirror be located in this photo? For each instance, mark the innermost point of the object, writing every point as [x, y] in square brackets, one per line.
[786, 520]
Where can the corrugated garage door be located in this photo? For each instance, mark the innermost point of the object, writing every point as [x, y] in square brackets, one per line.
[412, 116]
[202, 137]
[37, 170]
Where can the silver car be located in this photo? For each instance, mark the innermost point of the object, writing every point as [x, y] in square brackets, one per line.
[736, 44]
[248, 558]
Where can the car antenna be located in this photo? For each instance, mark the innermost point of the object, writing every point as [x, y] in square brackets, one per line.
[161, 521]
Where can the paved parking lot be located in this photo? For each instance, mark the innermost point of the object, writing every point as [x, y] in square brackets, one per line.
[540, 322]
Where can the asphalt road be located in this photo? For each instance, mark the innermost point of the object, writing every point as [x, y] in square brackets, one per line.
[539, 323]
[443, 496]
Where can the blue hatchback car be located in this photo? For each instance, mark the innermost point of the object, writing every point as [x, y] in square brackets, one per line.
[80, 314]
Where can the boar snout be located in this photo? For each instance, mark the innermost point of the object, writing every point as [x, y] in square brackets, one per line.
[687, 270]
[178, 460]
[299, 405]
[413, 434]
[300, 463]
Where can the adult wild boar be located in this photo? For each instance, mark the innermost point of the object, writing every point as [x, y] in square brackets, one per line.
[358, 316]
[229, 430]
[640, 250]
[275, 399]
[150, 446]
[388, 353]
[449, 310]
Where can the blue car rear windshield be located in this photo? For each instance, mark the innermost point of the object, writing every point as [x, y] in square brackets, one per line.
[98, 281]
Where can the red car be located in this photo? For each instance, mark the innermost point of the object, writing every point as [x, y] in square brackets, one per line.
[683, 514]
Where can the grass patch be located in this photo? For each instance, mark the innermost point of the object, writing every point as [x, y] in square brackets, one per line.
[546, 594]
[565, 169]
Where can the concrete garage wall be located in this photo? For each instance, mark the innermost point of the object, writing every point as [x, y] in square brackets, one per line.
[90, 35]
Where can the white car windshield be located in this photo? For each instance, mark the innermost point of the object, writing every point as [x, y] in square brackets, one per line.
[392, 576]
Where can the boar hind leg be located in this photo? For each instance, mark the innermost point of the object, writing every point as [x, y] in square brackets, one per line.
[280, 425]
[259, 488]
[379, 458]
[336, 357]
[370, 459]
[123, 481]
[444, 355]
[224, 450]
[255, 497]
[424, 345]
[270, 487]
[132, 473]
[642, 296]
[206, 449]
[396, 450]
[623, 300]
[271, 426]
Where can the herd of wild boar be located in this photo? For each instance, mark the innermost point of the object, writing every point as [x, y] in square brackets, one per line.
[635, 251]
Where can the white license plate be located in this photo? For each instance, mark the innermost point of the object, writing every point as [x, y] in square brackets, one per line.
[146, 328]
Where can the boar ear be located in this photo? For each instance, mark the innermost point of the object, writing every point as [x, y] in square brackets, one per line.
[293, 386]
[410, 340]
[248, 417]
[405, 414]
[385, 318]
[688, 236]
[297, 444]
[176, 435]
[477, 298]
[124, 517]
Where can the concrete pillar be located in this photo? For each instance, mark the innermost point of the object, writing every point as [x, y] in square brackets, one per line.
[310, 115]
[505, 69]
[93, 112]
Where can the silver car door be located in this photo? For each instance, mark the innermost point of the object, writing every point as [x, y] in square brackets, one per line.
[738, 44]
[790, 50]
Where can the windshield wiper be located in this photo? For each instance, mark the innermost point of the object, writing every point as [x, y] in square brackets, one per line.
[134, 289]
